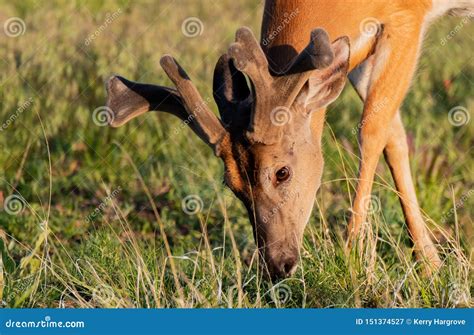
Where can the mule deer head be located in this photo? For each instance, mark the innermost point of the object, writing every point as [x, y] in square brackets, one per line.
[268, 135]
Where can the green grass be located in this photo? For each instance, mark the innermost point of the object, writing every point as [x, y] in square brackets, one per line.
[61, 251]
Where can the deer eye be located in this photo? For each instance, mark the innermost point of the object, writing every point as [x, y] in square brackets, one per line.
[283, 174]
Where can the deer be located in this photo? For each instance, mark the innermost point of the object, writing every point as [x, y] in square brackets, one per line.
[268, 134]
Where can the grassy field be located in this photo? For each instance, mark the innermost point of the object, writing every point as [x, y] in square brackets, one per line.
[94, 216]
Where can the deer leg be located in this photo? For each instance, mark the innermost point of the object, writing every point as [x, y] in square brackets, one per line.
[396, 155]
[392, 68]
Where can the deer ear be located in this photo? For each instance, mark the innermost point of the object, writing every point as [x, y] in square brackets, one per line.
[324, 86]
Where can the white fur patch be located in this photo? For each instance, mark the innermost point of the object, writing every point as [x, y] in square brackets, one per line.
[382, 55]
[441, 7]
[362, 42]
[360, 77]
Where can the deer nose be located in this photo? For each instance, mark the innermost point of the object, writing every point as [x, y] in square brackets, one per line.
[285, 267]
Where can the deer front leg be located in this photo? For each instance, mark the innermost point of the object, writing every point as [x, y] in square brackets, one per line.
[396, 155]
[392, 68]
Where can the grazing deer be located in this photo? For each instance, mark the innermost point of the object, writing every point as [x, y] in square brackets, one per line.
[269, 135]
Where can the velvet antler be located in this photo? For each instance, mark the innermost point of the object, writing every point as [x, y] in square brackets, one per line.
[278, 90]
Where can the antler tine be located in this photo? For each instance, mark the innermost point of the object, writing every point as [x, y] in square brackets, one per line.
[193, 102]
[230, 89]
[127, 99]
[249, 58]
[279, 89]
[317, 55]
